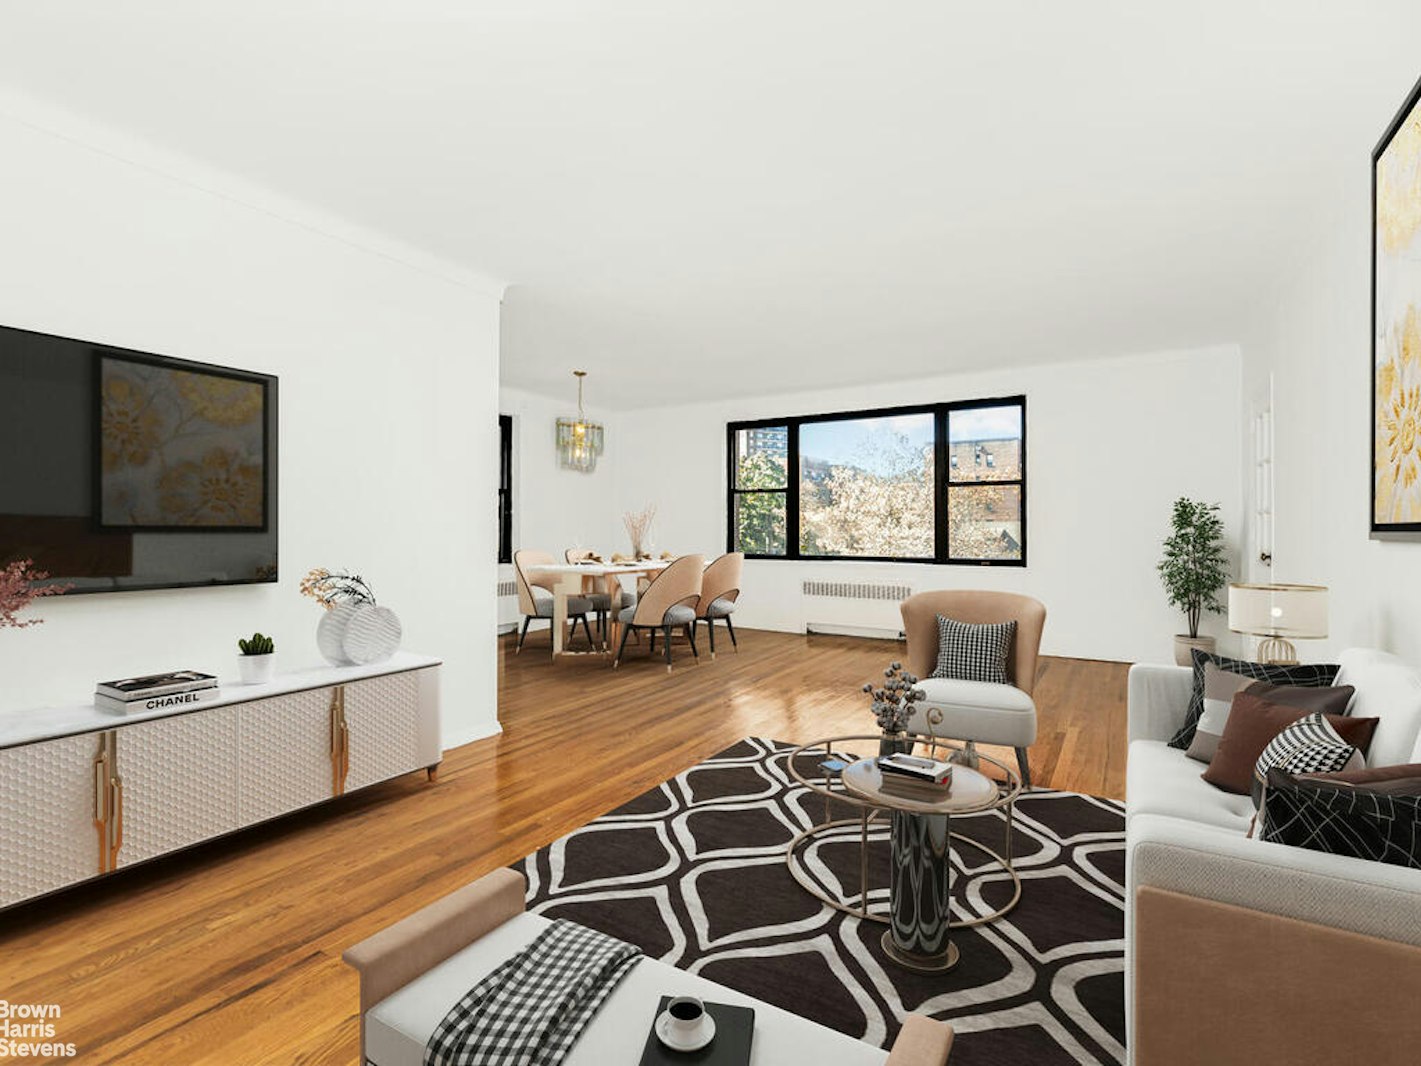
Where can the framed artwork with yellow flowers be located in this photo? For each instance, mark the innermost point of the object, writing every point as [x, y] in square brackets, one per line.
[1396, 324]
[181, 447]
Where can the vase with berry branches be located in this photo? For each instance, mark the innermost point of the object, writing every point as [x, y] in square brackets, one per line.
[892, 704]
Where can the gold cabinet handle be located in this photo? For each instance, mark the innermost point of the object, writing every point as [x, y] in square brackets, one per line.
[117, 806]
[101, 808]
[340, 742]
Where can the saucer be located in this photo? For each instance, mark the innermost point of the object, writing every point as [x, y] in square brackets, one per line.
[703, 1036]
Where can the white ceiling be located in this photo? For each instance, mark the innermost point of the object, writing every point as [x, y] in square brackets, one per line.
[779, 191]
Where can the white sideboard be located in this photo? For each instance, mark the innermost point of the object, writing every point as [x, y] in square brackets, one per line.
[84, 792]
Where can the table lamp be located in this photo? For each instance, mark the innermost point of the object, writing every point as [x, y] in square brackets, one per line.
[1278, 613]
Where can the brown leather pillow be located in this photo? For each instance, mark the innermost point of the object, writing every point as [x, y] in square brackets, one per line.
[1253, 722]
[1221, 686]
[1403, 780]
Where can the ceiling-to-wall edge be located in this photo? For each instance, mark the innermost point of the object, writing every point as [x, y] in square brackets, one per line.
[52, 120]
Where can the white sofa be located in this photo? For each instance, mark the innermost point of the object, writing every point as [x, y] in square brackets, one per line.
[1243, 951]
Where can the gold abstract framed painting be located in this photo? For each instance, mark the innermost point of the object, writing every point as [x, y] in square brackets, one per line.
[1396, 324]
[180, 446]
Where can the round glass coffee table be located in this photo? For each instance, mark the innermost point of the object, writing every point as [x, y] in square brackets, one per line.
[920, 897]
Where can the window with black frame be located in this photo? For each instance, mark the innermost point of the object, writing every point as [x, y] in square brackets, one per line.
[985, 487]
[942, 483]
[759, 489]
[505, 488]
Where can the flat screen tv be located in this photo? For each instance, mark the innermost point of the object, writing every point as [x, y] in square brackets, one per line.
[123, 470]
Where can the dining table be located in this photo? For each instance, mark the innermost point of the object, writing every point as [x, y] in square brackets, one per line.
[575, 579]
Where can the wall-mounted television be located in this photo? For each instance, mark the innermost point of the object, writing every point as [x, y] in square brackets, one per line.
[124, 470]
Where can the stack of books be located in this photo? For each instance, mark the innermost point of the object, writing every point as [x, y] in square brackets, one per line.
[155, 692]
[913, 777]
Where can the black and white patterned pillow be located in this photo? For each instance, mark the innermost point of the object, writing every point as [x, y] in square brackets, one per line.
[1302, 675]
[973, 652]
[1308, 746]
[1342, 819]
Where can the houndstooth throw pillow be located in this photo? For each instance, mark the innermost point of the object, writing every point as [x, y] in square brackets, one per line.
[973, 652]
[1308, 746]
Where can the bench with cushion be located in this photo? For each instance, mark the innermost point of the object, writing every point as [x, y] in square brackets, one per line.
[413, 972]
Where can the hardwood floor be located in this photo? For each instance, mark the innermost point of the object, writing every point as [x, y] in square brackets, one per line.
[229, 954]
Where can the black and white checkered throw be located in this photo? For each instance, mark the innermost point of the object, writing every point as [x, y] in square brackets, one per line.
[531, 1009]
[973, 652]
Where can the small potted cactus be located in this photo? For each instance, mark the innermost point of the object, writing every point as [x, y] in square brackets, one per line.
[257, 660]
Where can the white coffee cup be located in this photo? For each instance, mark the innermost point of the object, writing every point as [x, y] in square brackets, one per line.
[687, 1015]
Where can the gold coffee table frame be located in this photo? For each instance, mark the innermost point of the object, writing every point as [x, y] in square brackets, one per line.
[832, 788]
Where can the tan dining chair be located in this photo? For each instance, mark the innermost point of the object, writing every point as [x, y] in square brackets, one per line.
[979, 712]
[601, 601]
[536, 597]
[668, 603]
[720, 591]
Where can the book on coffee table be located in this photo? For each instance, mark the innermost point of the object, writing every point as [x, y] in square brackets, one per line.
[734, 1033]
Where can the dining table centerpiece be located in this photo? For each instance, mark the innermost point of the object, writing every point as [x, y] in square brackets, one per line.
[638, 525]
[892, 704]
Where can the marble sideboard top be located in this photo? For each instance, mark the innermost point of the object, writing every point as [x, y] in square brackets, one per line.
[47, 723]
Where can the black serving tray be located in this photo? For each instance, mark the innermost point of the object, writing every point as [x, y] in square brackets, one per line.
[734, 1033]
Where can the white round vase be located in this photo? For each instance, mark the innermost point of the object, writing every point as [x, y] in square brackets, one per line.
[373, 634]
[330, 633]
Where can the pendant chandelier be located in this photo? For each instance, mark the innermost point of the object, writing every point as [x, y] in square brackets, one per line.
[579, 441]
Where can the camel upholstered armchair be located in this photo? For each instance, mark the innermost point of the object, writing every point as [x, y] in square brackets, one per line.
[720, 592]
[668, 603]
[601, 601]
[535, 599]
[979, 712]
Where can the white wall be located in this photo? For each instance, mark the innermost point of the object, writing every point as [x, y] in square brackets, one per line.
[555, 508]
[388, 397]
[1312, 335]
[1111, 444]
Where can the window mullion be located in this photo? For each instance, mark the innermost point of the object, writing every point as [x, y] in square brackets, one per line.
[792, 491]
[942, 550]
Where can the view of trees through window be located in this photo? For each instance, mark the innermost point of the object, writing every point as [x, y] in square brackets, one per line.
[984, 482]
[945, 483]
[760, 496]
[866, 487]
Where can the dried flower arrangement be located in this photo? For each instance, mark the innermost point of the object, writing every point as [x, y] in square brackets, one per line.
[330, 588]
[892, 704]
[638, 525]
[18, 591]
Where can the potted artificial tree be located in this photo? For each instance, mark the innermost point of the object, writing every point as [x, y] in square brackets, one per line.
[1194, 570]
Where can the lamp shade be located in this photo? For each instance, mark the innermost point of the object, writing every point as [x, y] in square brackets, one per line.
[1279, 610]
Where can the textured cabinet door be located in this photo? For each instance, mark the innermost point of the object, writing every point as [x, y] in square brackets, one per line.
[284, 754]
[179, 781]
[383, 716]
[47, 834]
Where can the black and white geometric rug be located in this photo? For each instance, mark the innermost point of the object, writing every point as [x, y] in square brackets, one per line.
[693, 873]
